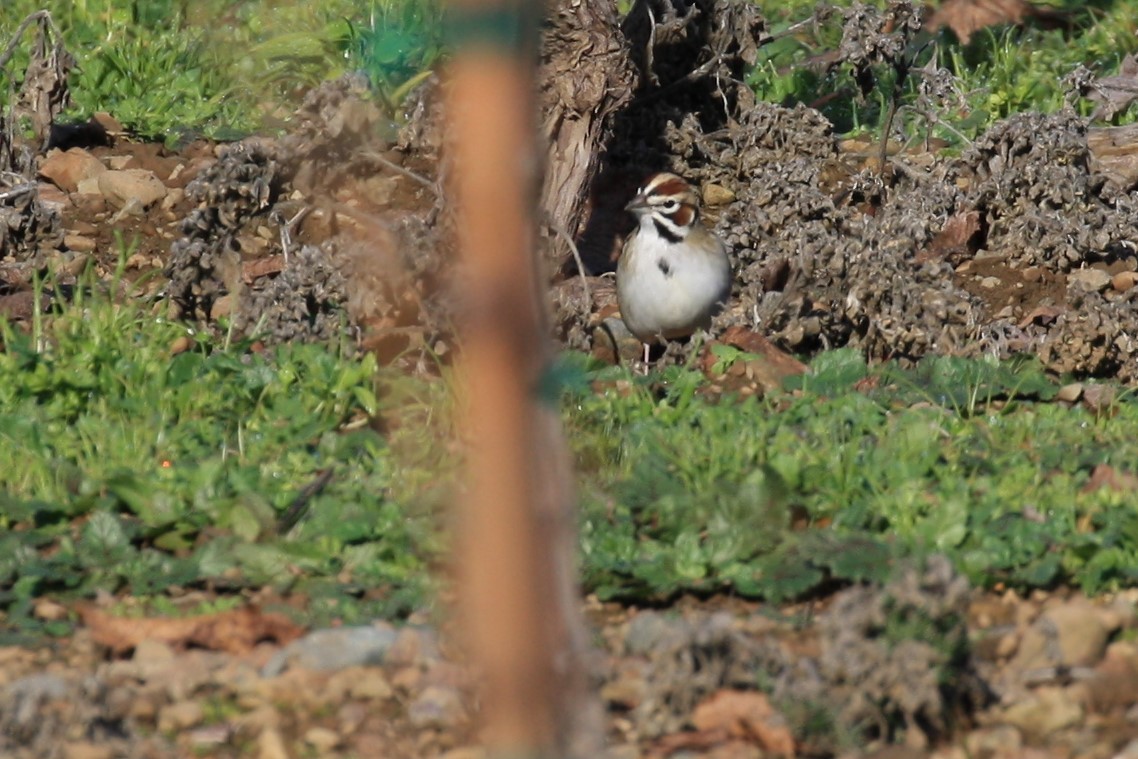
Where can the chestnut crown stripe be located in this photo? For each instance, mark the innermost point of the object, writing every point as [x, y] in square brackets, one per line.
[672, 186]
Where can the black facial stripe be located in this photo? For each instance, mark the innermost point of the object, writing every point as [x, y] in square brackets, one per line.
[666, 231]
[664, 266]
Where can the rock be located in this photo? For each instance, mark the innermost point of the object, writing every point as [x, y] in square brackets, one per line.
[78, 243]
[437, 706]
[89, 186]
[109, 123]
[53, 197]
[1072, 634]
[1124, 280]
[334, 649]
[271, 745]
[150, 652]
[1114, 684]
[1070, 392]
[66, 169]
[465, 752]
[322, 739]
[140, 185]
[180, 716]
[1095, 280]
[717, 195]
[412, 646]
[174, 196]
[132, 207]
[85, 750]
[999, 740]
[1046, 711]
[647, 630]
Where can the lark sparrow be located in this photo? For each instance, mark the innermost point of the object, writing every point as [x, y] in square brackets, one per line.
[673, 274]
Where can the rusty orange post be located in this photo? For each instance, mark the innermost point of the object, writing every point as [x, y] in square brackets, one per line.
[508, 585]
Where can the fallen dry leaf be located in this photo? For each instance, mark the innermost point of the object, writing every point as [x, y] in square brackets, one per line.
[765, 371]
[1106, 476]
[966, 17]
[1043, 316]
[956, 238]
[1114, 94]
[235, 631]
[261, 267]
[745, 715]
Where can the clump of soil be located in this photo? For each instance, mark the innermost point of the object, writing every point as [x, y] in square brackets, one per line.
[874, 664]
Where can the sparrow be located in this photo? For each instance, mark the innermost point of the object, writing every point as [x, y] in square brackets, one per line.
[673, 274]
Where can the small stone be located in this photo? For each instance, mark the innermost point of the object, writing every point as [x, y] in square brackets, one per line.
[89, 186]
[1124, 280]
[372, 687]
[271, 745]
[322, 739]
[331, 649]
[180, 716]
[465, 752]
[221, 308]
[121, 187]
[716, 195]
[437, 706]
[173, 197]
[109, 123]
[647, 630]
[1095, 280]
[85, 750]
[210, 736]
[53, 197]
[119, 162]
[66, 169]
[1070, 393]
[149, 652]
[78, 243]
[1048, 710]
[1001, 740]
[991, 283]
[48, 610]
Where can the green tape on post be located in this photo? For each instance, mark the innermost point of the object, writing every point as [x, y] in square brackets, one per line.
[508, 29]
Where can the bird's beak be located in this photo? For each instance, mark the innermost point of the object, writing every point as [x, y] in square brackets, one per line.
[639, 203]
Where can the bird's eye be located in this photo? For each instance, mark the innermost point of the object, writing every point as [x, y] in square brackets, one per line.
[671, 204]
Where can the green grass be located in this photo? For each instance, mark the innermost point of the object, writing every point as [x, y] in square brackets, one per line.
[125, 468]
[138, 471]
[780, 497]
[168, 68]
[1003, 70]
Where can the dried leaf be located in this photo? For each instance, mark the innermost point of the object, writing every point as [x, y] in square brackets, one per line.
[1106, 476]
[747, 715]
[955, 238]
[261, 267]
[1114, 94]
[235, 631]
[966, 17]
[1043, 316]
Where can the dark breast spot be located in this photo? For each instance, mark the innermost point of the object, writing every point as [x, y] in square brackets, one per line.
[664, 266]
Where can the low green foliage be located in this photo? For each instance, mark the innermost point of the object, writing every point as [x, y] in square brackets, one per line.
[168, 67]
[1004, 69]
[781, 497]
[123, 468]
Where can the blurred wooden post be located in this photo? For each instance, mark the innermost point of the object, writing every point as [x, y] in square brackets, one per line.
[515, 527]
